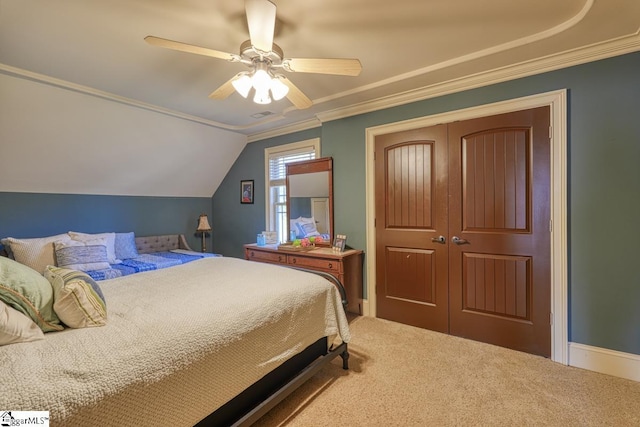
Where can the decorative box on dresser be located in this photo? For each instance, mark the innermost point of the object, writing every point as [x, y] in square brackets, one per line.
[345, 266]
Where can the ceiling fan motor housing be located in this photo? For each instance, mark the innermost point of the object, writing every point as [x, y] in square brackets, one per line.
[249, 53]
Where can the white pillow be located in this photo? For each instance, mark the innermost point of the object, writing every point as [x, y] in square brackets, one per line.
[111, 243]
[85, 256]
[15, 327]
[35, 253]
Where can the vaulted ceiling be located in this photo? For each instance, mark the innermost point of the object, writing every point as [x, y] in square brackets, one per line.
[409, 50]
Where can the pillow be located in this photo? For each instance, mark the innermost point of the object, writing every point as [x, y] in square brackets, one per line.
[35, 253]
[79, 302]
[15, 327]
[296, 224]
[87, 255]
[110, 238]
[7, 247]
[303, 220]
[125, 246]
[307, 229]
[27, 291]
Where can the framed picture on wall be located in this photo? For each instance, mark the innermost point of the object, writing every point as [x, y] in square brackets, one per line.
[246, 191]
[339, 242]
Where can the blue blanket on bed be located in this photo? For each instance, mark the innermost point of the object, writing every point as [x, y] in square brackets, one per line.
[147, 262]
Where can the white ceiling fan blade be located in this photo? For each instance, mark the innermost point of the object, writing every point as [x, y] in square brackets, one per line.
[343, 67]
[183, 47]
[225, 90]
[261, 18]
[295, 95]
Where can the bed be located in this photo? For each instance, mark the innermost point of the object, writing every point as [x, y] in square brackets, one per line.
[214, 341]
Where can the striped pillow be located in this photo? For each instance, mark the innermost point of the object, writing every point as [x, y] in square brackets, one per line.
[110, 239]
[78, 299]
[85, 256]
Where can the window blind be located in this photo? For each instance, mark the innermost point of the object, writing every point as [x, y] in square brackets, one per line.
[278, 163]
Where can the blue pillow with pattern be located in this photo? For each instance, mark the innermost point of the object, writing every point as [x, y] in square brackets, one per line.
[125, 245]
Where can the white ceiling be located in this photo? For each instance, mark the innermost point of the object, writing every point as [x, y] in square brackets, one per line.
[409, 49]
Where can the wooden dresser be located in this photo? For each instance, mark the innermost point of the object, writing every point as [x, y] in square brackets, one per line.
[345, 266]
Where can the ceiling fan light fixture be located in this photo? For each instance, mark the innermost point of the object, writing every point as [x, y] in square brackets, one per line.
[243, 85]
[278, 89]
[261, 80]
[262, 96]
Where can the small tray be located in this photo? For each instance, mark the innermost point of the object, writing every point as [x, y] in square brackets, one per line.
[291, 248]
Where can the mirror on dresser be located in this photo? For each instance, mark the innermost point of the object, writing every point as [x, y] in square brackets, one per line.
[310, 199]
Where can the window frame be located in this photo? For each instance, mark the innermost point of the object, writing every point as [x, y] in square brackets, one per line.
[282, 150]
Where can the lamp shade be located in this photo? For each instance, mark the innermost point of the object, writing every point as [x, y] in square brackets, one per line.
[203, 223]
[278, 89]
[243, 85]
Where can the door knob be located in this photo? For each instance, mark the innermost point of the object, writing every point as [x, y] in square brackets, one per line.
[439, 239]
[459, 241]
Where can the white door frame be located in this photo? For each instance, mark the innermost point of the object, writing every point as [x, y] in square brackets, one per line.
[557, 100]
[324, 211]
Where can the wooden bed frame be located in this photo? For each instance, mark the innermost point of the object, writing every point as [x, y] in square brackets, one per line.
[255, 401]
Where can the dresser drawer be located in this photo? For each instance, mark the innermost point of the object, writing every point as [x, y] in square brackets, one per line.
[261, 256]
[344, 266]
[331, 265]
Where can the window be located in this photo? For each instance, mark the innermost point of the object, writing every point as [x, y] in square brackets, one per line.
[276, 159]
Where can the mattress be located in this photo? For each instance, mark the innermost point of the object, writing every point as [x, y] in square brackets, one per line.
[179, 343]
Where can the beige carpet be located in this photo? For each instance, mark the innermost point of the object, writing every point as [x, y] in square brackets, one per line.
[406, 376]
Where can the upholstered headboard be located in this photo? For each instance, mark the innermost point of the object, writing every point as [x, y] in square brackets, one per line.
[150, 244]
[167, 242]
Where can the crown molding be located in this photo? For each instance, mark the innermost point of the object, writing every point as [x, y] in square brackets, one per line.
[296, 127]
[63, 84]
[595, 52]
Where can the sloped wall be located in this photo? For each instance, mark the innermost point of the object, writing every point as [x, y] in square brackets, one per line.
[55, 140]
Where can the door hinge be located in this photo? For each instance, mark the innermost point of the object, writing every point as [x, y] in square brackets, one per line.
[374, 222]
[551, 319]
[550, 132]
[550, 226]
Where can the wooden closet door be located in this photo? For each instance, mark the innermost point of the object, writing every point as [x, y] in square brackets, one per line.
[411, 215]
[499, 273]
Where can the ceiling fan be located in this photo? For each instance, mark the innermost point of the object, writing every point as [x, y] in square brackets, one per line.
[265, 59]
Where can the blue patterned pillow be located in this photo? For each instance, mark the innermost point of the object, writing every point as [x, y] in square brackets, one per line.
[87, 255]
[307, 230]
[125, 246]
[110, 239]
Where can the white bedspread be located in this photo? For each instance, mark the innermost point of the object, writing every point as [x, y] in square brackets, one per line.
[183, 339]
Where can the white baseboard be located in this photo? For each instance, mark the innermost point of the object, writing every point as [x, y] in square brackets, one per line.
[605, 361]
[366, 310]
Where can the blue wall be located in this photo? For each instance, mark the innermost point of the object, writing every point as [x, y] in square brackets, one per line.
[603, 174]
[234, 224]
[25, 215]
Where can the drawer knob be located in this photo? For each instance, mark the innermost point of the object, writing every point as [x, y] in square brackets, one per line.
[294, 260]
[330, 265]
